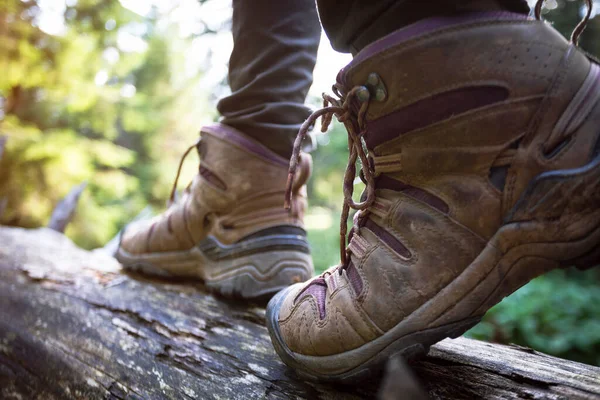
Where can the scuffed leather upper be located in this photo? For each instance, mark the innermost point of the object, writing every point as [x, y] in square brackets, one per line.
[239, 191]
[436, 206]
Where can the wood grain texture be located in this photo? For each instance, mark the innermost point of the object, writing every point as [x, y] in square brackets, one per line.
[72, 326]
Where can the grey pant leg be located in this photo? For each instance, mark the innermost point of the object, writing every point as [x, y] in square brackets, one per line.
[353, 24]
[270, 69]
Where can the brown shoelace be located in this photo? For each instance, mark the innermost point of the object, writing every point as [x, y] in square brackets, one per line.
[579, 28]
[556, 140]
[350, 111]
[183, 157]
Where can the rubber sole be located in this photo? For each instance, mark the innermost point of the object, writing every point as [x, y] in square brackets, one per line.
[556, 224]
[258, 275]
[411, 347]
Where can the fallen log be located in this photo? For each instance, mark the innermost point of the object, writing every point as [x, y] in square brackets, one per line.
[73, 326]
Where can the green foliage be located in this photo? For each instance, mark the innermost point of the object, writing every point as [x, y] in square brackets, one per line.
[78, 108]
[556, 314]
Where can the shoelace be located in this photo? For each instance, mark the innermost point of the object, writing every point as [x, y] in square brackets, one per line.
[555, 141]
[171, 200]
[344, 109]
[350, 109]
[579, 28]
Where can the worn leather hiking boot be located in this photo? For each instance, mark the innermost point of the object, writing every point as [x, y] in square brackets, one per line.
[479, 140]
[229, 228]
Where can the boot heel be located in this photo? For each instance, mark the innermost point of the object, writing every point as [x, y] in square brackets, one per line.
[259, 275]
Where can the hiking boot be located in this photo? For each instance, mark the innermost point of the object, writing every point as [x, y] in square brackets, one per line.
[479, 140]
[229, 228]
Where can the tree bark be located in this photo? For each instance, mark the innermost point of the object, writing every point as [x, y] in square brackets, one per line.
[73, 326]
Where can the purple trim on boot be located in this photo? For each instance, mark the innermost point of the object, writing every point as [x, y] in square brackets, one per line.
[385, 182]
[434, 109]
[586, 105]
[244, 142]
[429, 25]
[317, 288]
[388, 239]
[355, 279]
[212, 178]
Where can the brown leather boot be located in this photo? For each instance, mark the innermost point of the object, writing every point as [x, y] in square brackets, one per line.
[482, 172]
[229, 228]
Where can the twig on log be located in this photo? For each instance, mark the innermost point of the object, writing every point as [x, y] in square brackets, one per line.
[3, 203]
[3, 140]
[65, 209]
[401, 382]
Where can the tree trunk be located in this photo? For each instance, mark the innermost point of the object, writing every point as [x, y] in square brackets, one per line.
[73, 326]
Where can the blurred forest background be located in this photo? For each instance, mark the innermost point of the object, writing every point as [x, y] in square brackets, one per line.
[111, 92]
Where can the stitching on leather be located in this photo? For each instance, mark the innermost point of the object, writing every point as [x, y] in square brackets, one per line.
[509, 189]
[339, 313]
[489, 111]
[210, 183]
[446, 216]
[445, 89]
[388, 284]
[337, 329]
[536, 123]
[393, 51]
[394, 272]
[365, 292]
[354, 300]
[321, 323]
[494, 188]
[547, 102]
[359, 269]
[185, 221]
[337, 289]
[389, 225]
[561, 154]
[500, 71]
[295, 308]
[454, 224]
[308, 335]
[416, 41]
[467, 84]
[369, 323]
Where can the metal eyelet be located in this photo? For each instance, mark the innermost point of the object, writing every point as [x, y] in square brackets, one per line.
[376, 87]
[363, 94]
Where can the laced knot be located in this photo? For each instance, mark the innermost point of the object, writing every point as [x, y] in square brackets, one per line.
[350, 109]
[172, 198]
